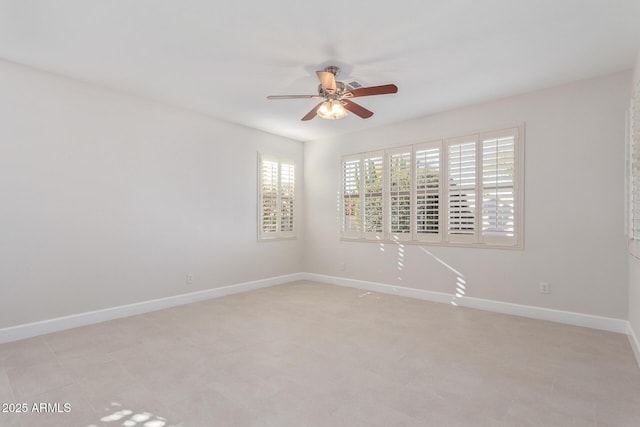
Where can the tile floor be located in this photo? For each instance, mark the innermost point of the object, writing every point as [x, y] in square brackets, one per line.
[310, 354]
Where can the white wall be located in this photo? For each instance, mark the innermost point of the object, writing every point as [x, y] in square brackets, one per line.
[574, 215]
[108, 199]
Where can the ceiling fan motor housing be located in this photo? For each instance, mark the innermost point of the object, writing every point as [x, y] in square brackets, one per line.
[340, 88]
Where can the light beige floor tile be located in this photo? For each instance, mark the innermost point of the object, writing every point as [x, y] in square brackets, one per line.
[209, 408]
[62, 407]
[10, 420]
[27, 382]
[24, 353]
[620, 413]
[129, 395]
[6, 395]
[129, 414]
[541, 414]
[95, 366]
[71, 343]
[310, 354]
[7, 416]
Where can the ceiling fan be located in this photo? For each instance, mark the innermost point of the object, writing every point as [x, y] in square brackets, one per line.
[337, 96]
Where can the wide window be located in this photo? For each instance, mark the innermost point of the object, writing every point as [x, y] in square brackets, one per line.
[456, 191]
[276, 198]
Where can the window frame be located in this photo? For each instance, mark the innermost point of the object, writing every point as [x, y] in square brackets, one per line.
[449, 236]
[428, 237]
[633, 165]
[494, 239]
[279, 233]
[389, 194]
[443, 237]
[366, 233]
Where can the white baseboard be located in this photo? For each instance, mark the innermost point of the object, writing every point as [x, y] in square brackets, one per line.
[635, 344]
[558, 316]
[29, 330]
[14, 333]
[382, 288]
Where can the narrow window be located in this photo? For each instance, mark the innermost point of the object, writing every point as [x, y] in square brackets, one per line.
[276, 198]
[373, 180]
[427, 192]
[634, 186]
[400, 193]
[351, 200]
[498, 187]
[461, 183]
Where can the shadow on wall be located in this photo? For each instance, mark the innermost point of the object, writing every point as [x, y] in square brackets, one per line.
[461, 283]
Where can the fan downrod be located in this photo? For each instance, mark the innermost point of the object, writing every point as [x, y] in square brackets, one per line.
[333, 69]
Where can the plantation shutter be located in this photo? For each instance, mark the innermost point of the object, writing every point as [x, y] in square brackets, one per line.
[373, 166]
[499, 187]
[351, 200]
[635, 164]
[461, 189]
[399, 194]
[269, 197]
[287, 198]
[276, 198]
[427, 192]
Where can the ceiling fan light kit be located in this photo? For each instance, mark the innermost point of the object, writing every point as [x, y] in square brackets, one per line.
[337, 98]
[332, 110]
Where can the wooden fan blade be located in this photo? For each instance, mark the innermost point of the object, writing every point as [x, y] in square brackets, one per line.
[356, 109]
[372, 90]
[311, 114]
[327, 80]
[294, 97]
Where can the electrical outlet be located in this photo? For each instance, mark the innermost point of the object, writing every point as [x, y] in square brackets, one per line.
[343, 266]
[544, 288]
[189, 279]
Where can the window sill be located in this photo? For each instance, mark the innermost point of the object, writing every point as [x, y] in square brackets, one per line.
[275, 239]
[517, 247]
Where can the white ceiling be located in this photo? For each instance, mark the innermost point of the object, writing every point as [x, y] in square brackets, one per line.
[222, 58]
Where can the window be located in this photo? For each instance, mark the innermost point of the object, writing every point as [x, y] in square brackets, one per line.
[276, 198]
[461, 189]
[427, 194]
[498, 187]
[399, 193]
[372, 194]
[351, 218]
[457, 191]
[634, 175]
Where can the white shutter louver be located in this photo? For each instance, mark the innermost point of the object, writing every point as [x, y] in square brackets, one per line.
[269, 199]
[498, 187]
[400, 194]
[460, 191]
[635, 164]
[351, 202]
[461, 182]
[427, 192]
[373, 180]
[276, 198]
[287, 198]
